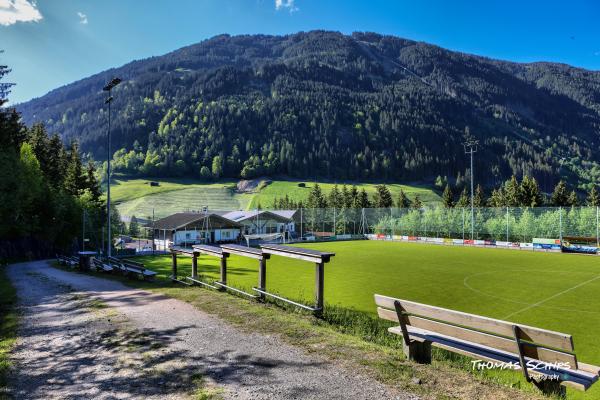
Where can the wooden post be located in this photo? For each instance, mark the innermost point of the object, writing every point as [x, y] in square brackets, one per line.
[223, 271]
[262, 276]
[416, 351]
[319, 284]
[174, 268]
[195, 265]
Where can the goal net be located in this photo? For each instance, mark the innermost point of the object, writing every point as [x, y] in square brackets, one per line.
[264, 238]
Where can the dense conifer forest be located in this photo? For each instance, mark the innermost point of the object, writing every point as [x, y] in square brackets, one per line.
[327, 105]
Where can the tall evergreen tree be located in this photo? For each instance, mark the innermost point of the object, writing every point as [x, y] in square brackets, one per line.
[479, 197]
[497, 198]
[560, 196]
[463, 200]
[382, 197]
[512, 192]
[134, 227]
[403, 201]
[573, 199]
[316, 199]
[362, 200]
[91, 182]
[417, 203]
[352, 199]
[531, 195]
[448, 197]
[74, 178]
[593, 198]
[335, 198]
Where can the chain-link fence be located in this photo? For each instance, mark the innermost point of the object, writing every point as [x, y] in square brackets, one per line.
[504, 224]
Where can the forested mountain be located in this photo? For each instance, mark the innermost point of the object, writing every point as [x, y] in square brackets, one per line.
[324, 104]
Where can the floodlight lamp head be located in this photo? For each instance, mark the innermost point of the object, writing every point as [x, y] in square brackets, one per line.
[110, 85]
[109, 100]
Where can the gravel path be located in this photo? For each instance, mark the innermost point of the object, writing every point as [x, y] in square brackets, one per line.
[144, 345]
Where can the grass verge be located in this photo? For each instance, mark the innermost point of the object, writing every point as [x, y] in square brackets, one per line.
[8, 326]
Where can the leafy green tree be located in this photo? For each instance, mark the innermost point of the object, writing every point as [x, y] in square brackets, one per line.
[403, 201]
[382, 197]
[448, 197]
[560, 196]
[205, 173]
[593, 198]
[217, 167]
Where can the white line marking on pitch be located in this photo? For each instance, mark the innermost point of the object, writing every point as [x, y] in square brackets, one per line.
[551, 297]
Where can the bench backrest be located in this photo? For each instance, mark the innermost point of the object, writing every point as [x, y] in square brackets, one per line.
[538, 344]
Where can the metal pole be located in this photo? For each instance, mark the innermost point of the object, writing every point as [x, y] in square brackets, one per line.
[83, 233]
[472, 213]
[597, 236]
[301, 235]
[560, 223]
[507, 224]
[463, 215]
[109, 241]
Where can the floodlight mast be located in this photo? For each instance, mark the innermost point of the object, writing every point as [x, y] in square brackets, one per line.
[471, 148]
[108, 88]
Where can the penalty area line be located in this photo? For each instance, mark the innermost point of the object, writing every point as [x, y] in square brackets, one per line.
[551, 297]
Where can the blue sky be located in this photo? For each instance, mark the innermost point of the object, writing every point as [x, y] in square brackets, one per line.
[49, 43]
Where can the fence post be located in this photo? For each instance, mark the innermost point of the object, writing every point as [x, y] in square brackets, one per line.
[507, 224]
[301, 235]
[463, 224]
[392, 222]
[597, 238]
[560, 223]
[334, 225]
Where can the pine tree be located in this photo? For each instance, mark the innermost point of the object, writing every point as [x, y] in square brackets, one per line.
[593, 198]
[573, 200]
[352, 199]
[512, 192]
[382, 197]
[346, 199]
[91, 182]
[403, 201]
[335, 198]
[531, 196]
[463, 200]
[497, 198]
[417, 203]
[479, 197]
[74, 178]
[362, 200]
[134, 227]
[560, 197]
[448, 197]
[316, 198]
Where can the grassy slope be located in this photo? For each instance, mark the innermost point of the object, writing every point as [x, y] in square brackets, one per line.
[490, 282]
[8, 326]
[280, 188]
[137, 197]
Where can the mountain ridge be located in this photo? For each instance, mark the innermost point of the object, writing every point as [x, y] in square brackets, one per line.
[375, 106]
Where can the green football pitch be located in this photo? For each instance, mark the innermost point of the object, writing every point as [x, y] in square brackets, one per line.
[553, 291]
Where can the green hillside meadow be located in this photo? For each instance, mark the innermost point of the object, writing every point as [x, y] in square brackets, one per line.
[137, 197]
[547, 290]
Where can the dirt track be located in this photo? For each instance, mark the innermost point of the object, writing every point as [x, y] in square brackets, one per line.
[87, 337]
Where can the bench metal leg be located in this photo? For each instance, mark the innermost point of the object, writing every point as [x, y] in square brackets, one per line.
[262, 277]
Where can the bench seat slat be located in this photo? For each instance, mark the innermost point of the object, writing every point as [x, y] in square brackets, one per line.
[297, 252]
[553, 339]
[481, 338]
[210, 250]
[576, 378]
[250, 252]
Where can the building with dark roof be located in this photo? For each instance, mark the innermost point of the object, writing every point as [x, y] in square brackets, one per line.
[189, 228]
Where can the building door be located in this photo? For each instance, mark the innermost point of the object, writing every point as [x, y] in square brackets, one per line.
[212, 236]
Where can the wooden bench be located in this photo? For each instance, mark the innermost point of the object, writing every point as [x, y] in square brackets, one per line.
[102, 266]
[134, 268]
[546, 358]
[67, 260]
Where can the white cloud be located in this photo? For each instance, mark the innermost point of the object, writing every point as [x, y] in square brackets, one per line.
[82, 18]
[13, 11]
[597, 53]
[283, 4]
